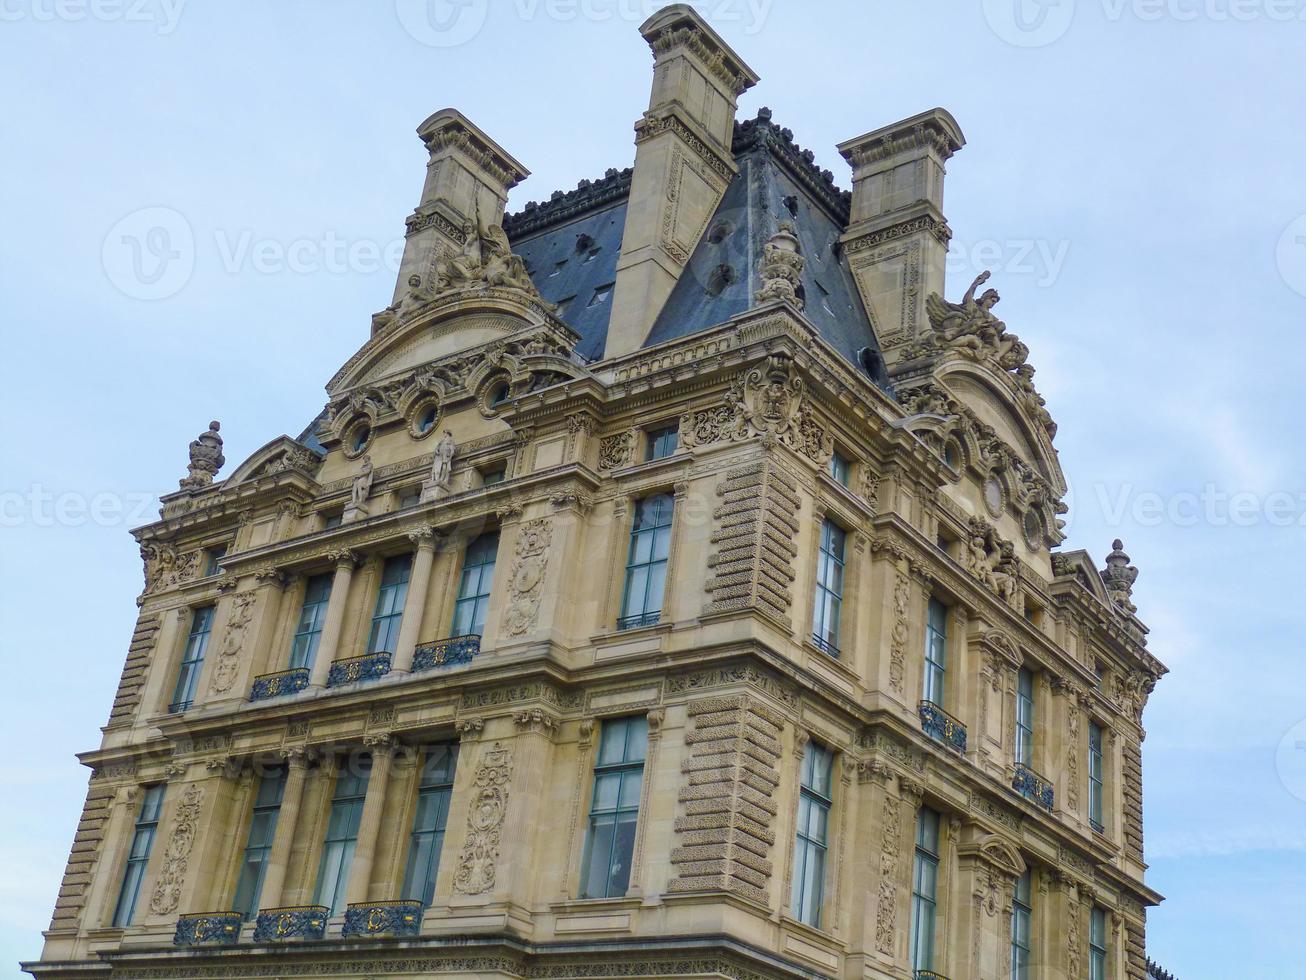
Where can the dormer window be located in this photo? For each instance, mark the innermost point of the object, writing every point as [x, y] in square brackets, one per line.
[600, 295]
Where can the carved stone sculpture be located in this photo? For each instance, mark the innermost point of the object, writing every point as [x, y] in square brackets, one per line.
[781, 267]
[1119, 577]
[205, 459]
[437, 483]
[360, 490]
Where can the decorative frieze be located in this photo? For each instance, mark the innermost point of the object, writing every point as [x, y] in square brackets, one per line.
[726, 822]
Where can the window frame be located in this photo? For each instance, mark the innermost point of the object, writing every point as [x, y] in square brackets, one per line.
[192, 659]
[262, 851]
[347, 842]
[925, 855]
[144, 832]
[827, 600]
[1098, 944]
[478, 602]
[655, 447]
[1022, 926]
[658, 534]
[441, 791]
[840, 469]
[812, 837]
[390, 597]
[1024, 743]
[934, 686]
[1096, 777]
[601, 816]
[306, 651]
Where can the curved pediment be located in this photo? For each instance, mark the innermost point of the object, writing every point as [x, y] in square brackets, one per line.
[283, 454]
[455, 323]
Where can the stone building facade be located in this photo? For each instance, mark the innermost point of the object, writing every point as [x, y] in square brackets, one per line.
[669, 587]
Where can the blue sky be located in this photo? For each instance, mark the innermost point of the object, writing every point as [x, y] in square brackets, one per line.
[1133, 177]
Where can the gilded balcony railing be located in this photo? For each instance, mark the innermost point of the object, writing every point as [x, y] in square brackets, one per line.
[928, 975]
[940, 725]
[401, 918]
[446, 653]
[1032, 786]
[201, 928]
[281, 683]
[294, 922]
[365, 668]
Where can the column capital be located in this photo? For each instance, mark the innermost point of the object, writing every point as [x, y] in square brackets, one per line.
[536, 721]
[426, 538]
[469, 729]
[271, 575]
[344, 558]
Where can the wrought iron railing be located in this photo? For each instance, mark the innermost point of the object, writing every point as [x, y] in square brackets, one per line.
[928, 975]
[940, 725]
[825, 646]
[278, 685]
[1032, 786]
[446, 653]
[403, 918]
[1097, 825]
[642, 619]
[200, 928]
[294, 922]
[365, 668]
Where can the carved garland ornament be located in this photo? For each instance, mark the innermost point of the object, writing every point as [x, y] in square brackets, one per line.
[228, 661]
[886, 909]
[901, 627]
[477, 863]
[523, 609]
[172, 875]
[769, 402]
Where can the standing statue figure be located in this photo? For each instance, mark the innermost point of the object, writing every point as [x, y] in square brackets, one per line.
[362, 486]
[437, 484]
[205, 459]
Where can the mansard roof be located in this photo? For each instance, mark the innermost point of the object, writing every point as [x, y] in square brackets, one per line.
[571, 244]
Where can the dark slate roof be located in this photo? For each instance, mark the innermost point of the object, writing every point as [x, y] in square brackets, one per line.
[571, 243]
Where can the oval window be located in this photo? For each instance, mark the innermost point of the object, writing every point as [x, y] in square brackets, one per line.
[362, 435]
[426, 421]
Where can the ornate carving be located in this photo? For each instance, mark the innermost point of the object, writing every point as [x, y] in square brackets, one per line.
[886, 905]
[475, 873]
[228, 659]
[165, 568]
[176, 856]
[361, 486]
[992, 560]
[205, 459]
[616, 451]
[781, 268]
[437, 482]
[901, 631]
[1119, 577]
[533, 540]
[767, 402]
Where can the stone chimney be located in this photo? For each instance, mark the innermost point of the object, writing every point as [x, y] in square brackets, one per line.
[468, 177]
[683, 165]
[897, 238]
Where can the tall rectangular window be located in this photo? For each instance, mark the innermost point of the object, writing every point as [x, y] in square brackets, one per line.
[813, 834]
[213, 560]
[646, 563]
[936, 652]
[312, 617]
[390, 605]
[262, 828]
[429, 822]
[1022, 915]
[342, 833]
[829, 588]
[661, 443]
[840, 469]
[188, 677]
[924, 889]
[474, 586]
[614, 810]
[1097, 944]
[1096, 777]
[147, 824]
[1025, 717]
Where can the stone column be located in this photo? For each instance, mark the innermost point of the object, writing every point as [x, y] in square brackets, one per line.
[335, 616]
[419, 582]
[369, 824]
[272, 583]
[987, 869]
[274, 879]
